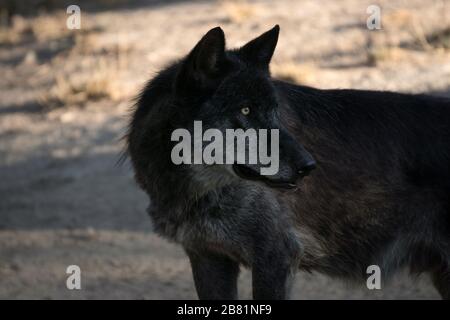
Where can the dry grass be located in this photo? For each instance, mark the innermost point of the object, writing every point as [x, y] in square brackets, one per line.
[49, 27]
[102, 83]
[43, 28]
[417, 33]
[294, 72]
[240, 11]
[424, 35]
[13, 34]
[101, 60]
[379, 55]
[399, 18]
[440, 38]
[9, 8]
[93, 42]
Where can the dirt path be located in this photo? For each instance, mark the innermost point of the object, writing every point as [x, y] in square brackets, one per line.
[63, 105]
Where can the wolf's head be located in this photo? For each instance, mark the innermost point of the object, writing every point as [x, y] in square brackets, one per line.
[224, 89]
[233, 90]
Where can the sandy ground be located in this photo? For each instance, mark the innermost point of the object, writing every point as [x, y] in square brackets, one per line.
[63, 109]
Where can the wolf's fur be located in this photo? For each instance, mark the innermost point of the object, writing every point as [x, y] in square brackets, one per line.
[379, 195]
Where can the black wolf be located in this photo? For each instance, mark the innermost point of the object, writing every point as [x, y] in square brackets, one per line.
[379, 195]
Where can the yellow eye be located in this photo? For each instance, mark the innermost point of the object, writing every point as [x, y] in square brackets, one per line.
[245, 111]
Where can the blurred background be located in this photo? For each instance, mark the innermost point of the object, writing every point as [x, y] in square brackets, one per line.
[64, 101]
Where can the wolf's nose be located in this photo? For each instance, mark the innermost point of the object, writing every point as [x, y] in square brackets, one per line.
[307, 168]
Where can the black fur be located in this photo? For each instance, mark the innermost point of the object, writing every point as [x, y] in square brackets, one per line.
[379, 195]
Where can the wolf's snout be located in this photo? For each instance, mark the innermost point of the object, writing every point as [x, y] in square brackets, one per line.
[307, 168]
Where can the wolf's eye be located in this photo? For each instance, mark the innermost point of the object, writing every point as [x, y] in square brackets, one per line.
[245, 111]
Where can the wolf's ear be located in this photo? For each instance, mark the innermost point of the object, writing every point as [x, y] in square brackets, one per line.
[203, 64]
[260, 50]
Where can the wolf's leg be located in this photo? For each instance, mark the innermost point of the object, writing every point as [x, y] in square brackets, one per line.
[272, 275]
[441, 281]
[215, 275]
